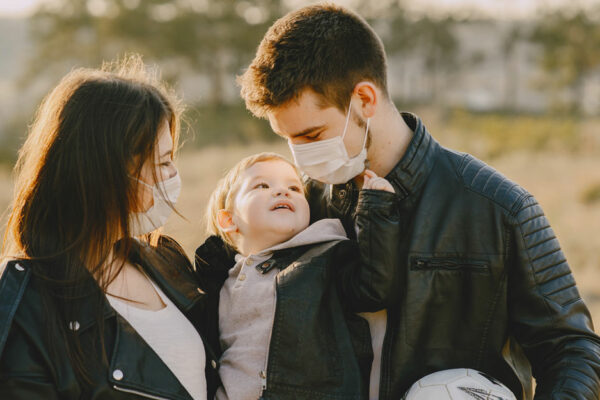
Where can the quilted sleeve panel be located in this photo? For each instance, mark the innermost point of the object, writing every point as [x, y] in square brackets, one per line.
[547, 315]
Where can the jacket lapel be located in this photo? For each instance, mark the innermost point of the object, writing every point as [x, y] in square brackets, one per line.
[134, 365]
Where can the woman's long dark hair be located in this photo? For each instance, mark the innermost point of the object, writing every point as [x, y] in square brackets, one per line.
[74, 188]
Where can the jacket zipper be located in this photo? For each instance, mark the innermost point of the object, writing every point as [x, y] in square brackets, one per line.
[138, 393]
[385, 356]
[423, 263]
[263, 373]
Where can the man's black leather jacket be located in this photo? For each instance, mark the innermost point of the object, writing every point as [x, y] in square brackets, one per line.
[30, 370]
[482, 280]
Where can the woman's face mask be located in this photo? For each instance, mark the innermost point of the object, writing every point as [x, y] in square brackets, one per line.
[164, 196]
[327, 160]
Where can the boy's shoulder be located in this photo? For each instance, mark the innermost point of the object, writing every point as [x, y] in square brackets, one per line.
[214, 256]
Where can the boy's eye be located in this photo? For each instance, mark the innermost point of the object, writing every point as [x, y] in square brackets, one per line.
[295, 189]
[261, 185]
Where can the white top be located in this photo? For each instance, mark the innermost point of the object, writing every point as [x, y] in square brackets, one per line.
[173, 338]
[246, 311]
[377, 325]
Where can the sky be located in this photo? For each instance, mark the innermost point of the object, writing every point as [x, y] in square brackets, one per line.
[494, 8]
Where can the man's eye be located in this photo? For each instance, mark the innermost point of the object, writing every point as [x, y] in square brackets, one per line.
[261, 185]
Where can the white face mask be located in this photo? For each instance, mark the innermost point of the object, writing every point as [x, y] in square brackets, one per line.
[327, 160]
[141, 223]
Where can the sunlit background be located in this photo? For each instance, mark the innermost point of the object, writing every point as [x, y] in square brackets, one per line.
[514, 82]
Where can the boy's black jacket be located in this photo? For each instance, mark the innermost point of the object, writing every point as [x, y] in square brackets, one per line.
[325, 350]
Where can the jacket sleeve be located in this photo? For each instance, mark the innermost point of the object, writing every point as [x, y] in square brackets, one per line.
[368, 274]
[547, 315]
[22, 374]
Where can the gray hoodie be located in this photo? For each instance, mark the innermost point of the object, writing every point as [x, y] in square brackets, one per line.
[246, 312]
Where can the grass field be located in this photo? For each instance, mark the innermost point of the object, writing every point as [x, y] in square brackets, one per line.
[559, 180]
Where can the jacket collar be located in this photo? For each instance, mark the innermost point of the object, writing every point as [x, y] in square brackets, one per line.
[407, 177]
[414, 167]
[165, 264]
[168, 266]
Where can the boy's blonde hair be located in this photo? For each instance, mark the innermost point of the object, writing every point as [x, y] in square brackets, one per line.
[224, 194]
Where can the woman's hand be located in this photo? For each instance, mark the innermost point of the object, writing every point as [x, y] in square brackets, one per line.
[374, 182]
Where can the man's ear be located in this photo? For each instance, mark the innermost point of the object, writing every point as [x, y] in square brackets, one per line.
[369, 96]
[225, 220]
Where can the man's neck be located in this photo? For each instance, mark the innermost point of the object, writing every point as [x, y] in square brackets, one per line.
[390, 137]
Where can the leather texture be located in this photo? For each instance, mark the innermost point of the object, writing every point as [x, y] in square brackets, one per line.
[319, 348]
[30, 370]
[482, 281]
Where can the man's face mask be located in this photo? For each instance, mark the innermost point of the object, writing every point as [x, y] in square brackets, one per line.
[327, 160]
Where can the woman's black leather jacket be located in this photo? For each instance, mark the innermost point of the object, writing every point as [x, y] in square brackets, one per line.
[29, 369]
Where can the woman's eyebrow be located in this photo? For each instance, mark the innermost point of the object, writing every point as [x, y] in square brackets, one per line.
[166, 153]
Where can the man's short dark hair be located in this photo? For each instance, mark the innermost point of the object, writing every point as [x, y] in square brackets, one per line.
[325, 47]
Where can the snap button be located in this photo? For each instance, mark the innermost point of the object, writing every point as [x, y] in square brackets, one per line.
[242, 277]
[213, 364]
[19, 268]
[74, 326]
[200, 290]
[118, 374]
[248, 261]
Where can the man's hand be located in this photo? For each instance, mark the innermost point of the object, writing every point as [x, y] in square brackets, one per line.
[374, 182]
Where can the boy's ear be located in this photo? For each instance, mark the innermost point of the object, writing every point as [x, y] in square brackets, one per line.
[225, 219]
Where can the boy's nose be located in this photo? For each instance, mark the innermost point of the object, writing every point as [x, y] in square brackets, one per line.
[280, 192]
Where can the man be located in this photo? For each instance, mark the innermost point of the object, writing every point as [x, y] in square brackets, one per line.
[482, 282]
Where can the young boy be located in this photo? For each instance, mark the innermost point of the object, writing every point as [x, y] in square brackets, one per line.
[286, 321]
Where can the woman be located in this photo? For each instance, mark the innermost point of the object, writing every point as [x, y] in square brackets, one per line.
[87, 310]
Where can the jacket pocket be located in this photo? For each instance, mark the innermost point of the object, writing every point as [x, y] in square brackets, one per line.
[448, 300]
[448, 264]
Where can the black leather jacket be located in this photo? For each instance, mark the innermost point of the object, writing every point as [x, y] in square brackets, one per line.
[483, 281]
[319, 348]
[29, 371]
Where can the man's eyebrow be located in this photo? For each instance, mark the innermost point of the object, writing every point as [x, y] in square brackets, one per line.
[307, 131]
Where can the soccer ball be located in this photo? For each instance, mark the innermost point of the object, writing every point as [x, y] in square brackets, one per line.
[458, 384]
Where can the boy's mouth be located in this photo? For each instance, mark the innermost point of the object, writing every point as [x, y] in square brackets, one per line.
[283, 205]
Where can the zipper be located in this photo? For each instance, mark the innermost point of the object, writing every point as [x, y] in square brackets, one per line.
[448, 264]
[142, 394]
[263, 373]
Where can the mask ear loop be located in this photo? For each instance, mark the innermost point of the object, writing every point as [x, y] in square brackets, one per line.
[347, 119]
[366, 133]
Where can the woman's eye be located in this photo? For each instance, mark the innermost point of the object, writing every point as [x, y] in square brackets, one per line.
[166, 163]
[313, 137]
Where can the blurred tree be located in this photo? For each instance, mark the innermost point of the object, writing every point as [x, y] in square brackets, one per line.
[510, 41]
[436, 42]
[570, 44]
[212, 37]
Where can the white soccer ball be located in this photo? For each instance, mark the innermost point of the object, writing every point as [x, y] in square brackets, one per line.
[458, 384]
